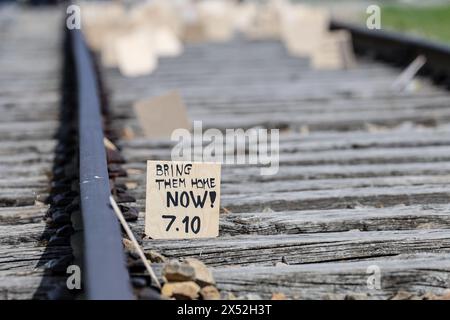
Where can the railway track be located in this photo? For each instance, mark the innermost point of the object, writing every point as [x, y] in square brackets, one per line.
[363, 179]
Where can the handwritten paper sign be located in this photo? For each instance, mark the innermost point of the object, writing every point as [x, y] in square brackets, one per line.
[159, 116]
[182, 200]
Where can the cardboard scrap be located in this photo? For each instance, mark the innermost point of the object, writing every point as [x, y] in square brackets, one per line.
[193, 32]
[160, 116]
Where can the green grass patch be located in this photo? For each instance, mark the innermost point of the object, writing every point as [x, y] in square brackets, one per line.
[431, 22]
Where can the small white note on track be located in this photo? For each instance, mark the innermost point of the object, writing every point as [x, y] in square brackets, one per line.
[160, 116]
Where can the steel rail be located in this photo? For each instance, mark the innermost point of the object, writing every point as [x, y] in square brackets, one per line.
[104, 273]
[400, 49]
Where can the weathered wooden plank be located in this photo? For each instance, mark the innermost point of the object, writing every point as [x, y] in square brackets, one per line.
[234, 65]
[340, 198]
[305, 185]
[311, 221]
[36, 183]
[28, 117]
[26, 158]
[338, 104]
[305, 158]
[321, 141]
[27, 126]
[22, 215]
[19, 234]
[16, 199]
[258, 90]
[239, 174]
[301, 110]
[29, 256]
[328, 121]
[419, 274]
[28, 285]
[251, 104]
[427, 216]
[34, 170]
[349, 120]
[50, 98]
[23, 146]
[304, 248]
